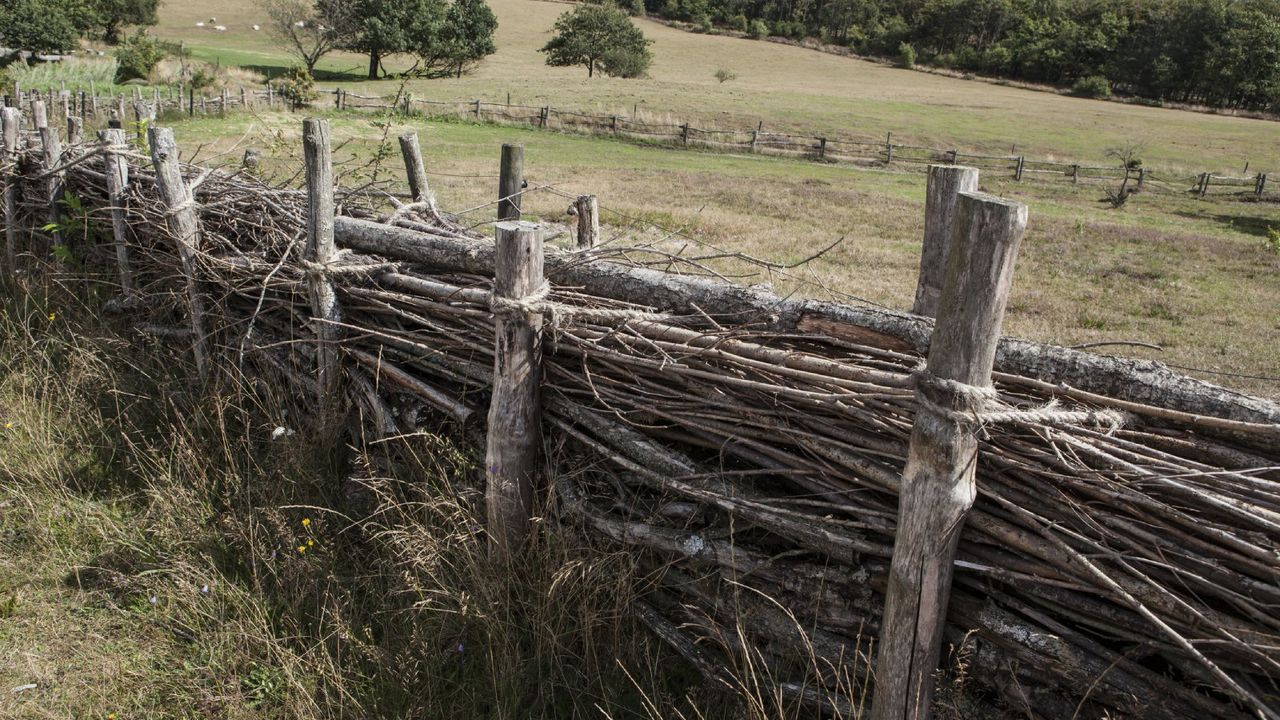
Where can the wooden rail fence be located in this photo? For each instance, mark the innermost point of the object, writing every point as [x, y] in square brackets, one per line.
[146, 107]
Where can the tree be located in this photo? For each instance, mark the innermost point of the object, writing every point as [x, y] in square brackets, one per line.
[304, 32]
[467, 35]
[380, 28]
[36, 26]
[599, 34]
[113, 15]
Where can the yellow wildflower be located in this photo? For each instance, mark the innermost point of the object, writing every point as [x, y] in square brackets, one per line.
[306, 522]
[53, 316]
[310, 543]
[302, 548]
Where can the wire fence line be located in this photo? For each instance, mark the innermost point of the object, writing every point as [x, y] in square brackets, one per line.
[833, 149]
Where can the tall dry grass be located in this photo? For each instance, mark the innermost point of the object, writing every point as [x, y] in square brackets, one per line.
[284, 578]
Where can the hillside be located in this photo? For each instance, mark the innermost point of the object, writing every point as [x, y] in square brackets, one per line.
[786, 87]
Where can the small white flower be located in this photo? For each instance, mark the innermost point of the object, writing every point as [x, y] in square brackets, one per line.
[153, 600]
[204, 589]
[280, 432]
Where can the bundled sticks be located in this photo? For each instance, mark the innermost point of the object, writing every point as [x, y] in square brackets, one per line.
[1122, 558]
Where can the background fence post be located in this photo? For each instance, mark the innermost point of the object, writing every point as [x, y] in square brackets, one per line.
[75, 130]
[11, 119]
[185, 227]
[1017, 172]
[117, 172]
[510, 182]
[1261, 184]
[515, 429]
[588, 221]
[320, 251]
[944, 185]
[416, 171]
[938, 482]
[1075, 174]
[888, 148]
[755, 138]
[684, 133]
[822, 148]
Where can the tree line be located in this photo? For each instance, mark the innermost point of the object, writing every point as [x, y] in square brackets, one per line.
[1221, 53]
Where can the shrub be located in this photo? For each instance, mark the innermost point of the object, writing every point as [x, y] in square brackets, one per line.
[739, 23]
[1093, 86]
[137, 56]
[906, 56]
[758, 29]
[297, 86]
[1272, 241]
[724, 75]
[703, 24]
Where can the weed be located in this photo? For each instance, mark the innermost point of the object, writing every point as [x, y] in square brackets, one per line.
[1272, 241]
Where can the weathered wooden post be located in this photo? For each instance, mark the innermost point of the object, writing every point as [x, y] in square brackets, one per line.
[244, 99]
[320, 251]
[477, 111]
[120, 107]
[185, 228]
[755, 138]
[588, 221]
[510, 182]
[938, 486]
[1142, 177]
[546, 115]
[1017, 170]
[1205, 179]
[51, 145]
[117, 171]
[945, 183]
[11, 118]
[416, 171]
[515, 413]
[888, 148]
[223, 97]
[1261, 184]
[822, 148]
[271, 99]
[951, 157]
[684, 133]
[1075, 174]
[75, 130]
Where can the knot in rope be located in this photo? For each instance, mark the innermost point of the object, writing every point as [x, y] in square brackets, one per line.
[979, 406]
[339, 264]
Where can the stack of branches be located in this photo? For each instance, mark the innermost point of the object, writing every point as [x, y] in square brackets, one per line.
[1129, 571]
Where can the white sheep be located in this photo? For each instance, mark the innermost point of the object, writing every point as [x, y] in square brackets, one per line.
[220, 28]
[199, 24]
[256, 28]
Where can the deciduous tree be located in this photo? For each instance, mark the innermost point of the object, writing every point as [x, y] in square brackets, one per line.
[299, 25]
[601, 35]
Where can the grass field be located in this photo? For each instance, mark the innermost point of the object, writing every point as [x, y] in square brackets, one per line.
[786, 87]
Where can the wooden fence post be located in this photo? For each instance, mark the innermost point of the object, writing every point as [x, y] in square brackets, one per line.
[944, 185]
[938, 482]
[822, 148]
[546, 115]
[1205, 179]
[11, 119]
[320, 251]
[684, 133]
[51, 144]
[1075, 174]
[951, 157]
[75, 130]
[588, 221]
[477, 111]
[1142, 177]
[185, 228]
[888, 149]
[408, 103]
[515, 417]
[1260, 184]
[1017, 171]
[117, 172]
[510, 182]
[755, 138]
[416, 171]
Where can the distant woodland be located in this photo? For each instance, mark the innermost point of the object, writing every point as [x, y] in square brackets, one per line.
[1221, 53]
